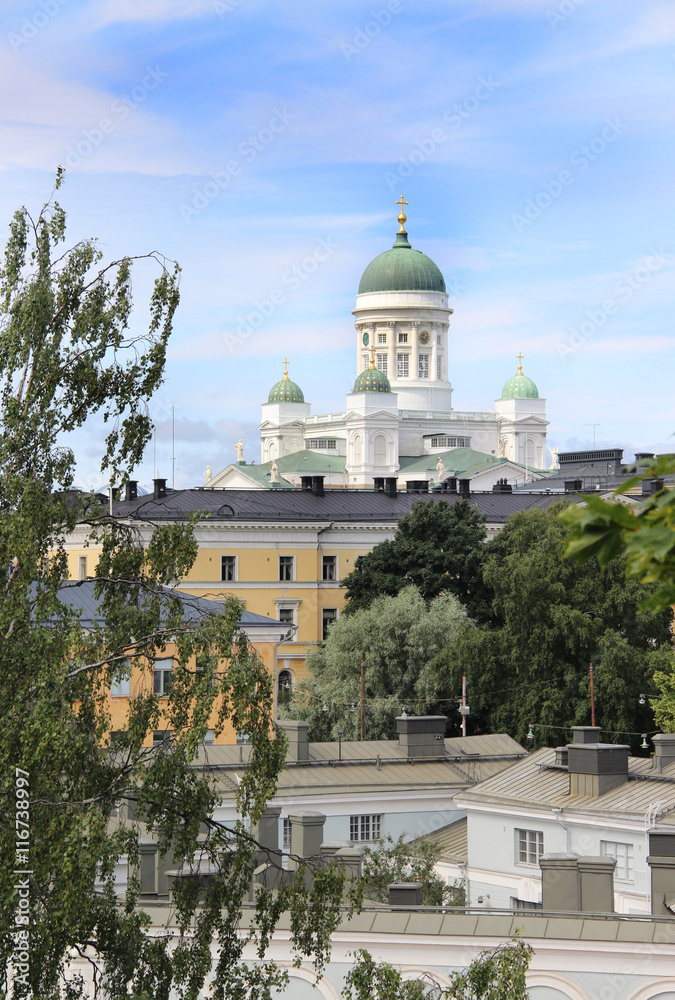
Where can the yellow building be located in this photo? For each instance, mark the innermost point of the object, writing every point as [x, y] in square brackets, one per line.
[285, 552]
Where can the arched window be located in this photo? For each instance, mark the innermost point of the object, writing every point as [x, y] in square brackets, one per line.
[380, 450]
[285, 687]
[358, 450]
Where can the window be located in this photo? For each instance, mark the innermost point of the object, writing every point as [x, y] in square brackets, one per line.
[365, 361]
[82, 568]
[381, 362]
[403, 365]
[285, 687]
[450, 442]
[423, 366]
[529, 846]
[322, 444]
[162, 671]
[228, 567]
[161, 736]
[403, 338]
[285, 615]
[242, 738]
[382, 338]
[364, 828]
[439, 338]
[285, 567]
[209, 737]
[286, 833]
[439, 368]
[623, 855]
[380, 451]
[329, 570]
[524, 904]
[328, 616]
[121, 686]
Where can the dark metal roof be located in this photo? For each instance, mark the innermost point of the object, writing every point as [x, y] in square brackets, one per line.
[79, 595]
[302, 505]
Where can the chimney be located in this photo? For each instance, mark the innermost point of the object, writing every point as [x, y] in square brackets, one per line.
[159, 488]
[664, 750]
[306, 483]
[330, 847]
[559, 882]
[465, 487]
[378, 484]
[317, 486]
[573, 485]
[561, 756]
[661, 860]
[266, 832]
[596, 884]
[405, 894]
[298, 740]
[651, 486]
[501, 486]
[306, 840]
[450, 484]
[417, 486]
[390, 486]
[351, 858]
[421, 735]
[131, 490]
[595, 768]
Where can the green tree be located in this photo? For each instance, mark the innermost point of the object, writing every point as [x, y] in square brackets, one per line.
[493, 975]
[398, 636]
[400, 861]
[552, 617]
[438, 548]
[67, 352]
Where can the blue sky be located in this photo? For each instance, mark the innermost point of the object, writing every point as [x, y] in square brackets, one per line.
[533, 140]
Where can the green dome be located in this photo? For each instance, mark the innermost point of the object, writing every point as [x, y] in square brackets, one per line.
[402, 269]
[285, 392]
[519, 386]
[372, 380]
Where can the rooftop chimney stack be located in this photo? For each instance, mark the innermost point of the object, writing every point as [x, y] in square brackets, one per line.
[595, 768]
[297, 733]
[405, 894]
[131, 490]
[661, 860]
[422, 735]
[390, 486]
[465, 487]
[159, 488]
[664, 750]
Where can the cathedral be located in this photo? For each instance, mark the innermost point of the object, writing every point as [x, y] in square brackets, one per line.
[398, 421]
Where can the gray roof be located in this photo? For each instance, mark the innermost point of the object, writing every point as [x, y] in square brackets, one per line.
[452, 839]
[536, 782]
[79, 595]
[302, 505]
[465, 761]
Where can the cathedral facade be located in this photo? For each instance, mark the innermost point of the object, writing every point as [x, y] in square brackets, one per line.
[399, 419]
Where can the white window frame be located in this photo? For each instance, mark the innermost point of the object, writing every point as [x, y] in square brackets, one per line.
[335, 577]
[365, 828]
[624, 855]
[403, 366]
[121, 687]
[365, 361]
[327, 621]
[439, 368]
[286, 833]
[533, 848]
[81, 567]
[291, 578]
[382, 338]
[423, 366]
[159, 668]
[403, 338]
[235, 568]
[382, 363]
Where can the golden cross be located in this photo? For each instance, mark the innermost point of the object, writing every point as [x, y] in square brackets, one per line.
[520, 362]
[402, 217]
[285, 368]
[372, 355]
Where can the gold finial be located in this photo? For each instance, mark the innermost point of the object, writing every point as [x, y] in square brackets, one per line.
[285, 378]
[372, 355]
[520, 364]
[402, 217]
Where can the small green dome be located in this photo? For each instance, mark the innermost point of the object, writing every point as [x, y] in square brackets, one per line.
[372, 380]
[519, 386]
[286, 391]
[402, 269]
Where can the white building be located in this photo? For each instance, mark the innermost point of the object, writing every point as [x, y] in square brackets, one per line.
[399, 419]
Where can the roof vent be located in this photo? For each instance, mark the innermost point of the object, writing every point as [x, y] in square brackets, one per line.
[561, 756]
[405, 894]
[131, 490]
[465, 487]
[159, 488]
[421, 735]
[573, 485]
[417, 486]
[502, 486]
